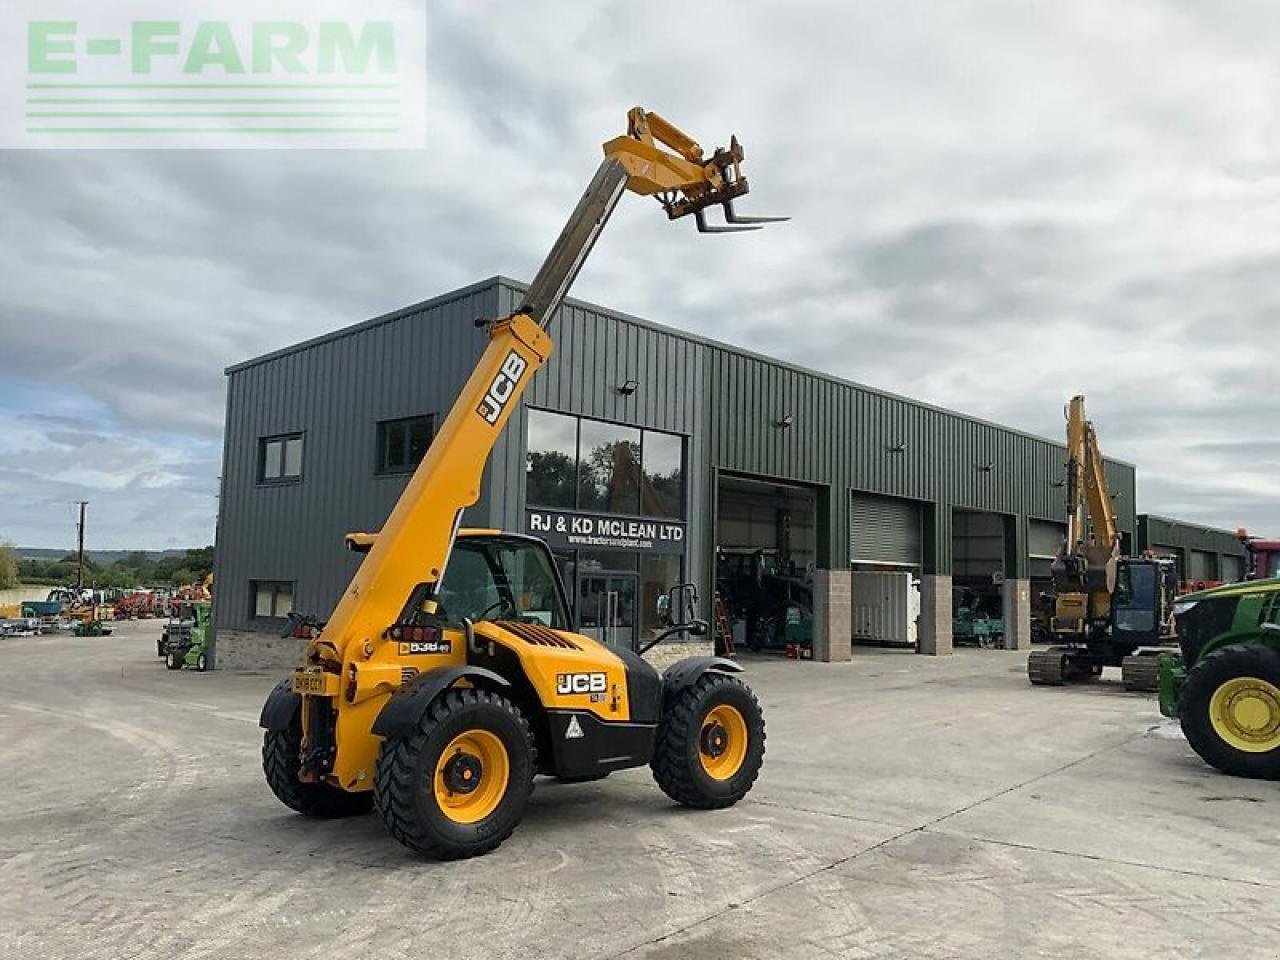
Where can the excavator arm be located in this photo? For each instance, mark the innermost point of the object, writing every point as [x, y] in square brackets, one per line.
[405, 562]
[1088, 556]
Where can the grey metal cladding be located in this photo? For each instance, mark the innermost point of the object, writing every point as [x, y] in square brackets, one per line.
[1155, 530]
[844, 437]
[596, 351]
[848, 437]
[334, 389]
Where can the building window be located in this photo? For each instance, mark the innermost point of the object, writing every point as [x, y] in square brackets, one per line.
[662, 476]
[552, 462]
[603, 467]
[280, 458]
[608, 467]
[272, 598]
[403, 443]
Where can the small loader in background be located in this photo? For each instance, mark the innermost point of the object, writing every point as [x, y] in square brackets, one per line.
[184, 639]
[1108, 610]
[449, 674]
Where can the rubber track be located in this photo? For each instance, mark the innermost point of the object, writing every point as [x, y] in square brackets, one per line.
[670, 770]
[395, 784]
[1141, 674]
[1047, 668]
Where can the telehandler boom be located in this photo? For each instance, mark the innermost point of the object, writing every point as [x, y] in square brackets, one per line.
[448, 675]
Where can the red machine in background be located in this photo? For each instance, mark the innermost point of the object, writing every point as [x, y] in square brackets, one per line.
[1264, 556]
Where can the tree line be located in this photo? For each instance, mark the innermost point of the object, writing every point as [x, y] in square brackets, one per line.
[136, 569]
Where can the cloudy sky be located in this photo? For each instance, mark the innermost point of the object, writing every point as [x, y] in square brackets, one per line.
[996, 205]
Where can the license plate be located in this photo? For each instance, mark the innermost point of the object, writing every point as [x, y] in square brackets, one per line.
[309, 683]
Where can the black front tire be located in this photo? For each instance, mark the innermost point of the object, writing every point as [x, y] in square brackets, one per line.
[1194, 709]
[202, 663]
[172, 661]
[677, 763]
[281, 760]
[405, 783]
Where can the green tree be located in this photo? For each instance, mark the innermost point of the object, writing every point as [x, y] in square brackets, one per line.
[8, 566]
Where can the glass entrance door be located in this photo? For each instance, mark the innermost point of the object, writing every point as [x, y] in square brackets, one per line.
[607, 607]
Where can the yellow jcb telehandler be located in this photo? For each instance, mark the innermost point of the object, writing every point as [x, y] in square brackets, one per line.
[448, 675]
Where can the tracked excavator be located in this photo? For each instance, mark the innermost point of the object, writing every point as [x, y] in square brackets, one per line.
[1108, 610]
[449, 674]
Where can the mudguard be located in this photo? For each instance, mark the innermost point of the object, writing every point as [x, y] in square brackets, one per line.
[408, 705]
[281, 707]
[686, 672]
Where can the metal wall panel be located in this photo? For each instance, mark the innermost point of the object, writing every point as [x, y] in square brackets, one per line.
[732, 406]
[845, 437]
[334, 390]
[1153, 529]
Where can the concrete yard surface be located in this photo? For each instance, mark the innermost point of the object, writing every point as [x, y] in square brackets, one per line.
[909, 807]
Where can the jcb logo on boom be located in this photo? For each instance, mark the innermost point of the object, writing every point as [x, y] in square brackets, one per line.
[503, 386]
[569, 683]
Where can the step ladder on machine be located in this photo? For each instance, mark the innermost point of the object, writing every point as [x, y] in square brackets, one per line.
[724, 630]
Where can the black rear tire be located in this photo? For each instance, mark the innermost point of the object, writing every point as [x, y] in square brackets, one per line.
[281, 760]
[172, 661]
[405, 787]
[1194, 709]
[677, 762]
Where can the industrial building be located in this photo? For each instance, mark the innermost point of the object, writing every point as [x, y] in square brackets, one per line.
[640, 451]
[1204, 555]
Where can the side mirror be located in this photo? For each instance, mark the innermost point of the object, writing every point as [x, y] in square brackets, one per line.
[682, 604]
[664, 609]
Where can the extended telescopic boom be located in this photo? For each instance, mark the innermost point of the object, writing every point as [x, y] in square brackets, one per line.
[398, 579]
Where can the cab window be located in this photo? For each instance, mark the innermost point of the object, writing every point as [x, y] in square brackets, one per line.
[496, 579]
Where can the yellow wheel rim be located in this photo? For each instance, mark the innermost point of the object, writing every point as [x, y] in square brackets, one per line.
[722, 742]
[471, 776]
[1245, 712]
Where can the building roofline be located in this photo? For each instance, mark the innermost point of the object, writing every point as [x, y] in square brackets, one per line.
[364, 325]
[520, 287]
[517, 286]
[1203, 527]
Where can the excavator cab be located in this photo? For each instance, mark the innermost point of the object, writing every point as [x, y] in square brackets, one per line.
[1141, 608]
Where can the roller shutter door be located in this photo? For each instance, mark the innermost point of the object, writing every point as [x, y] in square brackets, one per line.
[884, 530]
[1232, 568]
[1044, 538]
[1202, 566]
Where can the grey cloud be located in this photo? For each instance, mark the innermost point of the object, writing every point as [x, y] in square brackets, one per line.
[996, 205]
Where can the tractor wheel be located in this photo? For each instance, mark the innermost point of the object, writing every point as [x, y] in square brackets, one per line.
[457, 786]
[202, 663]
[710, 743]
[172, 660]
[1230, 711]
[281, 760]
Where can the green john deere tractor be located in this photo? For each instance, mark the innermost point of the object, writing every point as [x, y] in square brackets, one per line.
[185, 639]
[1224, 686]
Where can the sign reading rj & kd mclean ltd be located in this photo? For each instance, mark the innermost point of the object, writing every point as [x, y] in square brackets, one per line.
[588, 531]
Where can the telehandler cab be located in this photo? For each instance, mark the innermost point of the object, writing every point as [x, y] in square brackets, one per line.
[448, 674]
